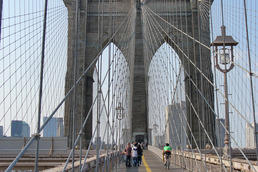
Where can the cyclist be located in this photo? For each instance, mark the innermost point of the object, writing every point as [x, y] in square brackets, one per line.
[166, 153]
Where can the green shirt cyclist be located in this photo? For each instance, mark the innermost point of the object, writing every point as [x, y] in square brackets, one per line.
[166, 150]
[167, 147]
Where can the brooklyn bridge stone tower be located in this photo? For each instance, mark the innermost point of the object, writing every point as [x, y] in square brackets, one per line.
[90, 43]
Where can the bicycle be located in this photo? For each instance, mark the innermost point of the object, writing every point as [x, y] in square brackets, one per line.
[167, 161]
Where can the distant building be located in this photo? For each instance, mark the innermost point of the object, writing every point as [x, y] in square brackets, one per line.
[1, 131]
[176, 125]
[250, 135]
[54, 128]
[20, 129]
[220, 132]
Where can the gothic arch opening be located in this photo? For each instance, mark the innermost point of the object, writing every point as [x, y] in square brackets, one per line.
[185, 95]
[111, 87]
[165, 91]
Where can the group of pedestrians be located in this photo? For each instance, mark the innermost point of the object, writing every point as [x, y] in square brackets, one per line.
[133, 153]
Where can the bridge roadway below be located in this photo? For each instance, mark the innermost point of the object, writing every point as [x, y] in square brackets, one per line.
[151, 163]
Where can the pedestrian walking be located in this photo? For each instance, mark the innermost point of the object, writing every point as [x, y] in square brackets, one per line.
[139, 153]
[135, 155]
[128, 152]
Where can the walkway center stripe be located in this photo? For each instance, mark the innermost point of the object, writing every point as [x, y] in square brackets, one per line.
[146, 165]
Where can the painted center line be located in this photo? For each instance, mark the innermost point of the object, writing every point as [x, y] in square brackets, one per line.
[146, 164]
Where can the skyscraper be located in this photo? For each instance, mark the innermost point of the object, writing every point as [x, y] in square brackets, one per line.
[20, 129]
[220, 132]
[176, 125]
[250, 135]
[54, 128]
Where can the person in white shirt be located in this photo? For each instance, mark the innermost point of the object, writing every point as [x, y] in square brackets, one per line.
[135, 155]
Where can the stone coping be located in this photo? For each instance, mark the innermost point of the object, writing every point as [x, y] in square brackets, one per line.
[91, 162]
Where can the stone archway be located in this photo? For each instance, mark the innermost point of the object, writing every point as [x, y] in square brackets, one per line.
[91, 43]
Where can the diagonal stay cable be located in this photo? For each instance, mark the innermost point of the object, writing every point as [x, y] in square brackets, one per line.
[80, 133]
[64, 99]
[112, 132]
[180, 118]
[198, 115]
[209, 81]
[178, 29]
[77, 139]
[220, 122]
[178, 77]
[84, 123]
[202, 96]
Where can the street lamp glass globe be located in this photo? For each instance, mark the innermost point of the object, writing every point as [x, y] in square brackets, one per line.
[119, 110]
[224, 55]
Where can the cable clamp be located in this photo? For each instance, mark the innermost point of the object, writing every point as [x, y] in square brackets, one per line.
[36, 135]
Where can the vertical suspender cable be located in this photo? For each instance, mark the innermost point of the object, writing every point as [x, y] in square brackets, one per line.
[98, 92]
[227, 119]
[108, 106]
[74, 76]
[218, 125]
[182, 61]
[109, 79]
[188, 119]
[83, 82]
[203, 142]
[98, 122]
[187, 69]
[1, 15]
[112, 105]
[112, 88]
[41, 84]
[194, 9]
[251, 80]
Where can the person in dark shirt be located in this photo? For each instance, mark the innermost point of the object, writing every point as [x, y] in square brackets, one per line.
[140, 153]
[128, 152]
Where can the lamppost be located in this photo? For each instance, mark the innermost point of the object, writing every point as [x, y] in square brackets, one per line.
[119, 116]
[155, 131]
[224, 51]
[155, 128]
